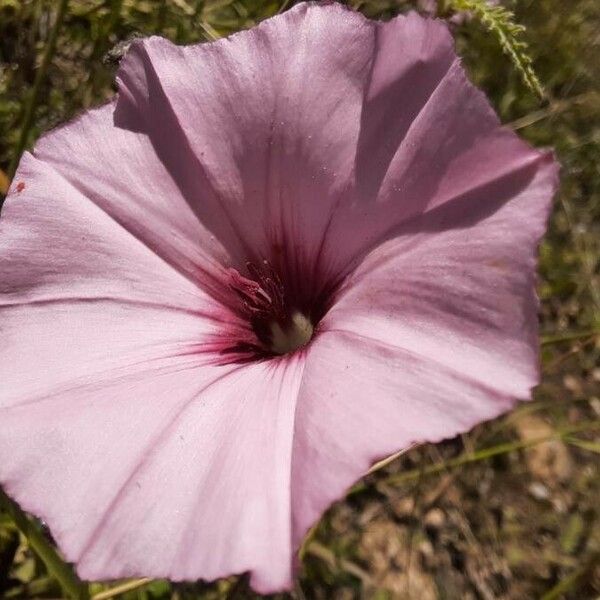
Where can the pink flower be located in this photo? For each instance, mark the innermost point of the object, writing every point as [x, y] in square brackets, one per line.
[272, 261]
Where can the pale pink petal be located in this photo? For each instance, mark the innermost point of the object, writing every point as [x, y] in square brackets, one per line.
[434, 333]
[262, 126]
[409, 133]
[412, 55]
[458, 283]
[117, 428]
[56, 243]
[444, 144]
[174, 471]
[80, 294]
[362, 400]
[120, 173]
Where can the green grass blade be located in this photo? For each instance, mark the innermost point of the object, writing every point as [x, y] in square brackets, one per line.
[57, 567]
[35, 90]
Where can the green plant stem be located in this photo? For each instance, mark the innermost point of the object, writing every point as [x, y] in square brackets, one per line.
[569, 336]
[128, 586]
[283, 7]
[583, 444]
[32, 101]
[335, 563]
[38, 588]
[555, 108]
[500, 21]
[57, 567]
[571, 582]
[471, 457]
[209, 30]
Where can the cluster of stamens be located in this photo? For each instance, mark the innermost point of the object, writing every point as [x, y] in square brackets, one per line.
[261, 297]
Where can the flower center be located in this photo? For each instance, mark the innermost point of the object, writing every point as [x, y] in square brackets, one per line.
[297, 333]
[278, 321]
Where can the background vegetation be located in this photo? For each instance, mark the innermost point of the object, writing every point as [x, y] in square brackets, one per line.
[509, 511]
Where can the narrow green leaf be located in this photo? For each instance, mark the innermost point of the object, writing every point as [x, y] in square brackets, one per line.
[33, 97]
[57, 567]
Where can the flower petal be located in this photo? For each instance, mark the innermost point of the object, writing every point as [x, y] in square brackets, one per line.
[81, 295]
[411, 57]
[177, 471]
[362, 400]
[262, 126]
[108, 398]
[458, 284]
[444, 145]
[119, 172]
[435, 332]
[290, 180]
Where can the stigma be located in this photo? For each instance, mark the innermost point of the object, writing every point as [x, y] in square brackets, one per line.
[296, 333]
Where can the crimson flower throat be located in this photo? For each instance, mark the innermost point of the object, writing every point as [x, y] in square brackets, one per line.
[279, 325]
